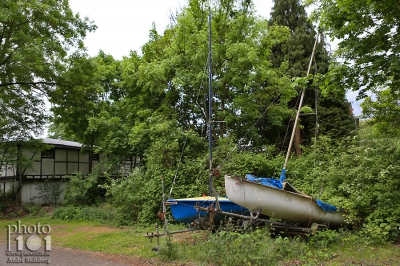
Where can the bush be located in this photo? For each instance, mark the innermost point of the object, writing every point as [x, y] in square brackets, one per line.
[360, 174]
[168, 251]
[255, 248]
[135, 198]
[8, 199]
[67, 213]
[82, 190]
[104, 214]
[33, 208]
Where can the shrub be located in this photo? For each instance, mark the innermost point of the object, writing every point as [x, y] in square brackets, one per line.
[127, 196]
[82, 190]
[104, 214]
[254, 248]
[67, 213]
[33, 208]
[360, 174]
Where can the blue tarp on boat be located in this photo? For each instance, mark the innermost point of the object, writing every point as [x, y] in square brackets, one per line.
[266, 181]
[282, 178]
[326, 206]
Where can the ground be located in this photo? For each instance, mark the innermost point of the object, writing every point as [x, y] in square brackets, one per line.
[63, 256]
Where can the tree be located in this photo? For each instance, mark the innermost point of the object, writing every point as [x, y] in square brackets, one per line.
[36, 37]
[297, 49]
[384, 111]
[118, 114]
[333, 111]
[369, 43]
[79, 97]
[174, 70]
[76, 98]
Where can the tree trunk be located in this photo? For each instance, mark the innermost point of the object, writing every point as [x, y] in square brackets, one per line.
[297, 141]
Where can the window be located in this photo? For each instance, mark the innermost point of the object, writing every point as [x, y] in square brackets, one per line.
[95, 156]
[48, 153]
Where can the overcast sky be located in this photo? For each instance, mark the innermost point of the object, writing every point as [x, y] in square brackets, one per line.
[124, 25]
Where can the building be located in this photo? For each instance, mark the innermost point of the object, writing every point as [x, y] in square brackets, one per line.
[51, 160]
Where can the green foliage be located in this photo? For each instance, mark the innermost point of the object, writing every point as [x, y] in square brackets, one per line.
[36, 39]
[82, 190]
[384, 111]
[325, 238]
[139, 196]
[78, 98]
[256, 248]
[152, 109]
[49, 192]
[359, 174]
[241, 163]
[333, 112]
[127, 196]
[104, 214]
[298, 47]
[34, 209]
[66, 213]
[168, 251]
[10, 195]
[174, 76]
[368, 37]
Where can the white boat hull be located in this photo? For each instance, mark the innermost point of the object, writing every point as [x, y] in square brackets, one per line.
[279, 203]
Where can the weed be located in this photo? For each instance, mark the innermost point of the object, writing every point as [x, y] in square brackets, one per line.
[168, 251]
[32, 208]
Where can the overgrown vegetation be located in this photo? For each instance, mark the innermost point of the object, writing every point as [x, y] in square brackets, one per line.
[7, 199]
[327, 247]
[105, 214]
[359, 174]
[224, 248]
[152, 109]
[82, 190]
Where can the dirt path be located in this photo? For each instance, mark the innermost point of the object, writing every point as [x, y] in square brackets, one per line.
[66, 257]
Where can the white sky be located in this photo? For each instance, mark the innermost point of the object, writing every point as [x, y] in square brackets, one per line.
[124, 25]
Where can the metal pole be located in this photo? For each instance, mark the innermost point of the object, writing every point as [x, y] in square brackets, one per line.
[164, 207]
[210, 102]
[158, 239]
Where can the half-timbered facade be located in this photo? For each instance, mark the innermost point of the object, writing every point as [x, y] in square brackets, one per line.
[51, 161]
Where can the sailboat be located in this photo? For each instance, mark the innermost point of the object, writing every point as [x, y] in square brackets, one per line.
[278, 198]
[205, 209]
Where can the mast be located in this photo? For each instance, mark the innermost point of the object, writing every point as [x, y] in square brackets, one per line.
[210, 103]
[298, 110]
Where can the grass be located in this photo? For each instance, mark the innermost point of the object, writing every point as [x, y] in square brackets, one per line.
[92, 236]
[365, 255]
[202, 247]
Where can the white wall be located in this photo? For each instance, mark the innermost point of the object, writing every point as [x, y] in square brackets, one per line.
[29, 191]
[5, 186]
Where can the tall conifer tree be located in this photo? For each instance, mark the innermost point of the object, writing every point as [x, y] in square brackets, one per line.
[334, 114]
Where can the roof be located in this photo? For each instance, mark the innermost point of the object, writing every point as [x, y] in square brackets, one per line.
[62, 143]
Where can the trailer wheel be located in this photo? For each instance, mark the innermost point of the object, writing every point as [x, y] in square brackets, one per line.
[204, 223]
